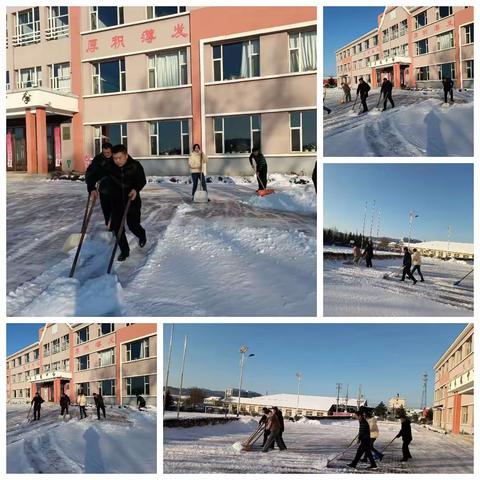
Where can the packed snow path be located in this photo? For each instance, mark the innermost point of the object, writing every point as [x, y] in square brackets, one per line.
[228, 257]
[310, 445]
[124, 442]
[418, 126]
[350, 290]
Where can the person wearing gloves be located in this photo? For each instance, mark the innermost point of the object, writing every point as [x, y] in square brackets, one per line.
[196, 162]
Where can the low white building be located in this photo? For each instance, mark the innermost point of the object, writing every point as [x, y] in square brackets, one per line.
[292, 405]
[440, 249]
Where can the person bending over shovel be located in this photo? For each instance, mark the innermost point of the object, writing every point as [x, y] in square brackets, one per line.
[259, 165]
[126, 178]
[37, 401]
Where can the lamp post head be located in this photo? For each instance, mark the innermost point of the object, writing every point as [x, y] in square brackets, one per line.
[243, 349]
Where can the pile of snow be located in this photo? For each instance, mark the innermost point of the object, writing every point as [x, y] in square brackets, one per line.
[302, 201]
[308, 421]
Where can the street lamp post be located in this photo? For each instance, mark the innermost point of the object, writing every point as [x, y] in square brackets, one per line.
[181, 376]
[243, 351]
[168, 366]
[449, 234]
[411, 217]
[299, 377]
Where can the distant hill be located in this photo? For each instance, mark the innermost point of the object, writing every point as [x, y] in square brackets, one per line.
[214, 393]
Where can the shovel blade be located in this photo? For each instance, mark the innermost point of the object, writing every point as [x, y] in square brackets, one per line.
[72, 242]
[266, 191]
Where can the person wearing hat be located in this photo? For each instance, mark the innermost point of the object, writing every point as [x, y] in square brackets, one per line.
[406, 434]
[365, 443]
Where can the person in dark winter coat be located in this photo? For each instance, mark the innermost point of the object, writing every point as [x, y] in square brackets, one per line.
[386, 89]
[407, 265]
[279, 415]
[140, 402]
[64, 403]
[263, 421]
[362, 90]
[365, 443]
[406, 434]
[99, 404]
[37, 401]
[126, 178]
[273, 424]
[314, 176]
[95, 178]
[447, 88]
[346, 91]
[259, 165]
[368, 252]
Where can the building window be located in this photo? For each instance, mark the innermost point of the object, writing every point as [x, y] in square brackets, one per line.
[83, 335]
[115, 133]
[445, 41]
[84, 387]
[464, 415]
[443, 12]
[237, 134]
[421, 47]
[55, 346]
[236, 60]
[138, 350]
[138, 386]
[106, 388]
[446, 70]
[36, 371]
[109, 77]
[66, 365]
[7, 81]
[421, 20]
[469, 34]
[103, 17]
[27, 27]
[303, 51]
[36, 354]
[155, 12]
[375, 40]
[167, 69]
[57, 23]
[55, 366]
[303, 131]
[394, 31]
[83, 362]
[60, 77]
[46, 368]
[169, 137]
[386, 35]
[423, 73]
[403, 27]
[106, 357]
[29, 77]
[65, 342]
[27, 357]
[105, 328]
[46, 350]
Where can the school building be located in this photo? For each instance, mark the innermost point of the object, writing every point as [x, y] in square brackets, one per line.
[454, 379]
[414, 47]
[117, 360]
[160, 79]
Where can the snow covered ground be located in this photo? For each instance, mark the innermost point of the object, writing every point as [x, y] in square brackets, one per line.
[353, 291]
[125, 442]
[418, 126]
[348, 250]
[237, 255]
[311, 444]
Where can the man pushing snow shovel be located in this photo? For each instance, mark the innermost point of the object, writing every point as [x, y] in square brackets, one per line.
[259, 165]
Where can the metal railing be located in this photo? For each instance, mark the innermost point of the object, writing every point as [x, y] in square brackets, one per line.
[26, 38]
[54, 31]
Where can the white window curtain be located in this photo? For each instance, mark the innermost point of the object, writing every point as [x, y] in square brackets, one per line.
[445, 40]
[244, 69]
[144, 349]
[168, 71]
[308, 48]
[293, 44]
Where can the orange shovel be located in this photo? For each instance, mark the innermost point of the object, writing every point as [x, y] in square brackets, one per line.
[263, 191]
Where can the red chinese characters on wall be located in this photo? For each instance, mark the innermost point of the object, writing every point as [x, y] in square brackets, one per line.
[86, 348]
[450, 23]
[112, 341]
[179, 31]
[117, 42]
[98, 343]
[148, 35]
[92, 45]
[437, 27]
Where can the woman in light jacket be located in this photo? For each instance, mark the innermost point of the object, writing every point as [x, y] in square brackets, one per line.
[82, 402]
[196, 161]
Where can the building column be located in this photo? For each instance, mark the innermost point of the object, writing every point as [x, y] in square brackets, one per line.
[412, 80]
[374, 78]
[31, 141]
[41, 124]
[56, 390]
[457, 409]
[396, 75]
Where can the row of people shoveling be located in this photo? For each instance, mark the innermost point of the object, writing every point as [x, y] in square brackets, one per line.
[65, 402]
[408, 260]
[115, 177]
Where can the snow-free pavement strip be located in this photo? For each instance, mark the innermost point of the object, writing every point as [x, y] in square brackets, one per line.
[310, 445]
[225, 258]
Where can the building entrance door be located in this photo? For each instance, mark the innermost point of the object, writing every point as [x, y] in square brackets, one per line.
[51, 147]
[16, 150]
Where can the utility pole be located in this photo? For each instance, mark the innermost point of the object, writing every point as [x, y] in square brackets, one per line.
[449, 234]
[346, 400]
[378, 223]
[243, 351]
[364, 220]
[359, 397]
[168, 366]
[339, 386]
[411, 217]
[299, 377]
[181, 376]
[424, 391]
[371, 224]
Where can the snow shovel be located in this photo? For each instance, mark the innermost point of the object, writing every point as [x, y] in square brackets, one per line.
[248, 444]
[352, 111]
[73, 240]
[263, 191]
[201, 195]
[388, 444]
[386, 276]
[28, 415]
[341, 453]
[119, 234]
[86, 221]
[463, 278]
[376, 109]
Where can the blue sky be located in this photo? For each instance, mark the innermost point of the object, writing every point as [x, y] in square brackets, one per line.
[441, 195]
[385, 358]
[343, 25]
[21, 335]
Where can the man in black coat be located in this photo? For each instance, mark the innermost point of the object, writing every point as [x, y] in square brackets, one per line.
[407, 265]
[97, 174]
[279, 414]
[259, 164]
[99, 404]
[362, 90]
[64, 403]
[406, 434]
[314, 176]
[263, 421]
[126, 178]
[368, 252]
[386, 89]
[37, 401]
[447, 88]
[140, 402]
[365, 443]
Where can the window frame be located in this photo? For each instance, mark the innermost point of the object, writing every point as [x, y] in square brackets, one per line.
[36, 81]
[77, 336]
[112, 387]
[437, 12]
[452, 41]
[97, 76]
[298, 50]
[151, 9]
[300, 128]
[417, 43]
[469, 34]
[54, 80]
[93, 13]
[417, 26]
[98, 140]
[250, 54]
[146, 385]
[20, 39]
[146, 349]
[101, 334]
[112, 357]
[154, 133]
[54, 32]
[252, 130]
[426, 70]
[471, 76]
[452, 76]
[182, 66]
[78, 369]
